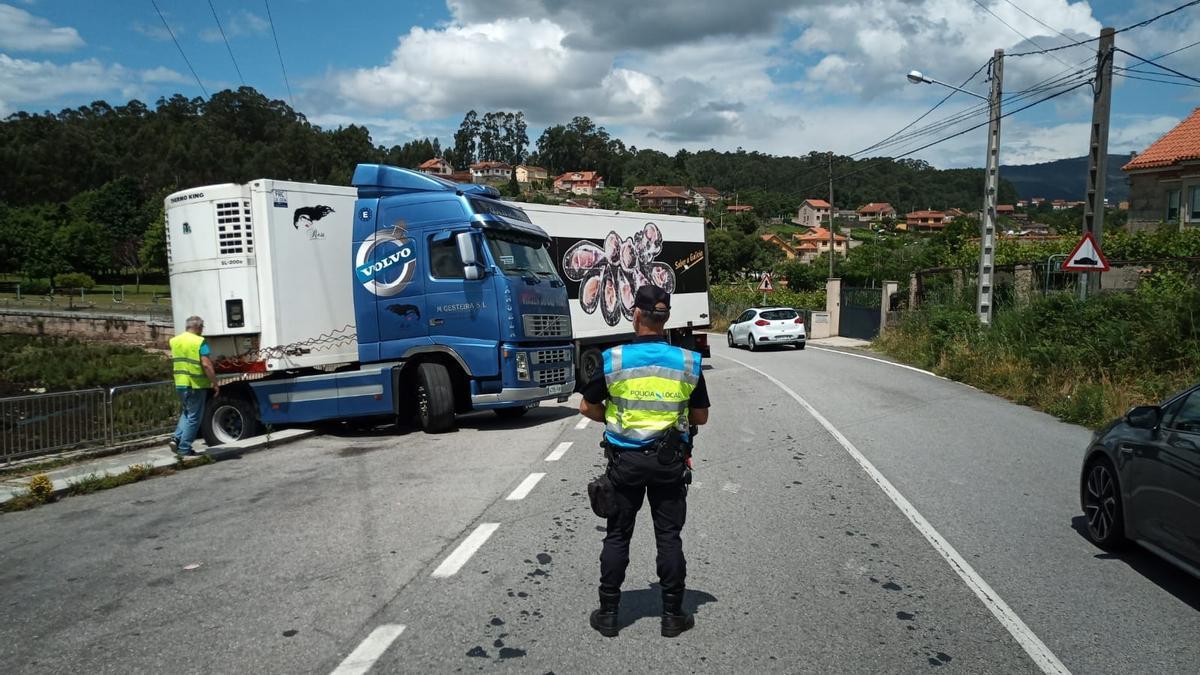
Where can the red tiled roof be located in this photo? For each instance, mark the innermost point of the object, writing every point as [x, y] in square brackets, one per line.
[817, 234]
[708, 191]
[1004, 208]
[739, 208]
[875, 207]
[926, 214]
[659, 192]
[584, 176]
[434, 163]
[817, 203]
[807, 246]
[1177, 145]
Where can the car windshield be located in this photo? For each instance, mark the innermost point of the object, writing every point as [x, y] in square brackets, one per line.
[778, 314]
[517, 253]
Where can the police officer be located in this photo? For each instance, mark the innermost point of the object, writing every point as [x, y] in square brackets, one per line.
[650, 396]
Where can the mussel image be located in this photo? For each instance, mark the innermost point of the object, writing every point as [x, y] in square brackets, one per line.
[589, 293]
[610, 303]
[628, 255]
[580, 259]
[661, 275]
[627, 290]
[612, 247]
[653, 242]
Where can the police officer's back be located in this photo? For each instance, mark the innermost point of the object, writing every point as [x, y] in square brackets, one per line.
[650, 396]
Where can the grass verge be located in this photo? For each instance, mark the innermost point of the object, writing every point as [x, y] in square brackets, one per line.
[39, 493]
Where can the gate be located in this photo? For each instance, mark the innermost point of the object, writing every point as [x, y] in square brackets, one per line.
[861, 312]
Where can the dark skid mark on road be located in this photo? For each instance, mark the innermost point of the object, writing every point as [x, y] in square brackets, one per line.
[543, 558]
[478, 651]
[511, 653]
[892, 586]
[290, 632]
[905, 616]
[356, 450]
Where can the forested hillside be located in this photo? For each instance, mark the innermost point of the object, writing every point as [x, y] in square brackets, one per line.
[81, 190]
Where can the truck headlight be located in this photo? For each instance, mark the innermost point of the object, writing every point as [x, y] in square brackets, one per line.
[522, 366]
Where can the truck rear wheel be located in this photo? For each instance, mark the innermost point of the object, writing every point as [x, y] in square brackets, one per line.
[434, 398]
[228, 419]
[591, 365]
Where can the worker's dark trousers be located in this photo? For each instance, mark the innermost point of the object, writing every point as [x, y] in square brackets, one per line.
[635, 475]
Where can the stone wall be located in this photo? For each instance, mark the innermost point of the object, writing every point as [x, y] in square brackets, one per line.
[130, 330]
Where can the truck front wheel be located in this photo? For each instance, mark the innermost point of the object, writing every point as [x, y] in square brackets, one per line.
[228, 419]
[434, 398]
[591, 365]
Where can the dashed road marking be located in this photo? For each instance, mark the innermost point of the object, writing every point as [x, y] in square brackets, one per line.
[1030, 642]
[369, 650]
[559, 451]
[525, 487]
[454, 562]
[582, 423]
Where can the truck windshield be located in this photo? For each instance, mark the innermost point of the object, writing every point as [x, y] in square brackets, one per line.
[520, 254]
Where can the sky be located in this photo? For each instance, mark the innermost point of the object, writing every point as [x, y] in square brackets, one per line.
[784, 77]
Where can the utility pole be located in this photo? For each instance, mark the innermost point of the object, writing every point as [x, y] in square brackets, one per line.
[831, 241]
[1093, 210]
[991, 189]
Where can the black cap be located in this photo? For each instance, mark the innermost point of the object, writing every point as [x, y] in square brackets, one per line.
[649, 297]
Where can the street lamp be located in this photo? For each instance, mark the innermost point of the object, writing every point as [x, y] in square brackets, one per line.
[917, 77]
[991, 185]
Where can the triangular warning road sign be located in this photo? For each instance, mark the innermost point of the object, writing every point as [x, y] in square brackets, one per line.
[765, 286]
[1087, 257]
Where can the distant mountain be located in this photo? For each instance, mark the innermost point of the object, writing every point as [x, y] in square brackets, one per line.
[1065, 179]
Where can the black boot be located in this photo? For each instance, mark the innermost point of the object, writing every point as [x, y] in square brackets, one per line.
[674, 619]
[604, 620]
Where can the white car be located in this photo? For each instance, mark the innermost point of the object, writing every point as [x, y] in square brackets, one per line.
[764, 326]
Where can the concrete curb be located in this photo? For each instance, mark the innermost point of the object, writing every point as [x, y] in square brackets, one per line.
[63, 478]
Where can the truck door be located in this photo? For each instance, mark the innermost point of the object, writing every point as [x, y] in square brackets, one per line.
[462, 313]
[398, 287]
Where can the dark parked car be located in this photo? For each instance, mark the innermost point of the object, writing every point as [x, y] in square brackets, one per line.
[1141, 481]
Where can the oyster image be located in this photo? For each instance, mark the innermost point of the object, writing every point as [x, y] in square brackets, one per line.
[612, 247]
[610, 306]
[661, 275]
[627, 290]
[589, 293]
[628, 255]
[581, 259]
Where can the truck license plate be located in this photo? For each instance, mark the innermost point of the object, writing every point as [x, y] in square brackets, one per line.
[555, 389]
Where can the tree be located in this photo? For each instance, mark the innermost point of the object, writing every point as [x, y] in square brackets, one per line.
[514, 188]
[465, 145]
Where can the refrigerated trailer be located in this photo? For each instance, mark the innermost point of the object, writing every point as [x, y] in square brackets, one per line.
[605, 256]
[403, 295]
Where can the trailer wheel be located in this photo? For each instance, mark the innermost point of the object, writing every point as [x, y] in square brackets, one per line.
[228, 419]
[434, 398]
[591, 365]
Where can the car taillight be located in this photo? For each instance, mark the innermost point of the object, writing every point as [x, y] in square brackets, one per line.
[761, 322]
[800, 321]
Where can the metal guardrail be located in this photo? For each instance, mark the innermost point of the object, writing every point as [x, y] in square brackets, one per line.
[43, 424]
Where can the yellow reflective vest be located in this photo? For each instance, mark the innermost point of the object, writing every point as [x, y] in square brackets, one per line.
[649, 385]
[185, 357]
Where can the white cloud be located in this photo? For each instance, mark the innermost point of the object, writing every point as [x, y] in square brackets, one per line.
[156, 31]
[24, 81]
[242, 23]
[21, 31]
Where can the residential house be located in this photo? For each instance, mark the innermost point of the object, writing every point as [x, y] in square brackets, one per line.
[705, 197]
[1164, 180]
[812, 213]
[491, 172]
[1021, 203]
[956, 214]
[1059, 205]
[736, 208]
[436, 166]
[846, 218]
[778, 242]
[663, 198]
[1005, 210]
[918, 221]
[579, 182]
[811, 244]
[876, 212]
[527, 174]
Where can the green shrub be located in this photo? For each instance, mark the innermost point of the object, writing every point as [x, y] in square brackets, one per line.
[60, 364]
[75, 281]
[41, 487]
[35, 287]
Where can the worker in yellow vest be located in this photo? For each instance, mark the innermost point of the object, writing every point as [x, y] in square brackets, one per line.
[194, 377]
[650, 398]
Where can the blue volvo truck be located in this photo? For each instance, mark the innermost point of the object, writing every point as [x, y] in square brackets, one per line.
[404, 296]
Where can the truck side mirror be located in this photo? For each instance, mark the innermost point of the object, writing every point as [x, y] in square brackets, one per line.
[466, 250]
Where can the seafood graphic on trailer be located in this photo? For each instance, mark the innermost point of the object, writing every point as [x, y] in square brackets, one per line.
[610, 277]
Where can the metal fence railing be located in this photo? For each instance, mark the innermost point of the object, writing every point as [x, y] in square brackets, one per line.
[43, 424]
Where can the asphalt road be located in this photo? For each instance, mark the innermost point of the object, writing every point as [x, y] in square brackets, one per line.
[288, 560]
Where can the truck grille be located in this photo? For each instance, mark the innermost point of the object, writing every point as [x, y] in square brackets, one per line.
[547, 325]
[551, 356]
[550, 376]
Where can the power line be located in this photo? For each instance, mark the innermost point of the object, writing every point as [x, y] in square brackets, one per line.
[227, 47]
[1010, 27]
[1159, 65]
[1043, 23]
[1151, 79]
[278, 52]
[1140, 24]
[180, 48]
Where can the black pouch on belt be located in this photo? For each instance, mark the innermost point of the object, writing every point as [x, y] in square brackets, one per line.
[600, 494]
[670, 447]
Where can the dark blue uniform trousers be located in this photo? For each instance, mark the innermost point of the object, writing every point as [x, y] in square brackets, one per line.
[636, 475]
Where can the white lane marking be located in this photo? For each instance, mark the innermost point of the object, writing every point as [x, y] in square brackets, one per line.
[582, 423]
[525, 487]
[369, 650]
[885, 361]
[559, 451]
[731, 487]
[1037, 650]
[454, 562]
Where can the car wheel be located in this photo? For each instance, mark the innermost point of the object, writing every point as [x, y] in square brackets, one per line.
[753, 344]
[1102, 505]
[799, 345]
[729, 336]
